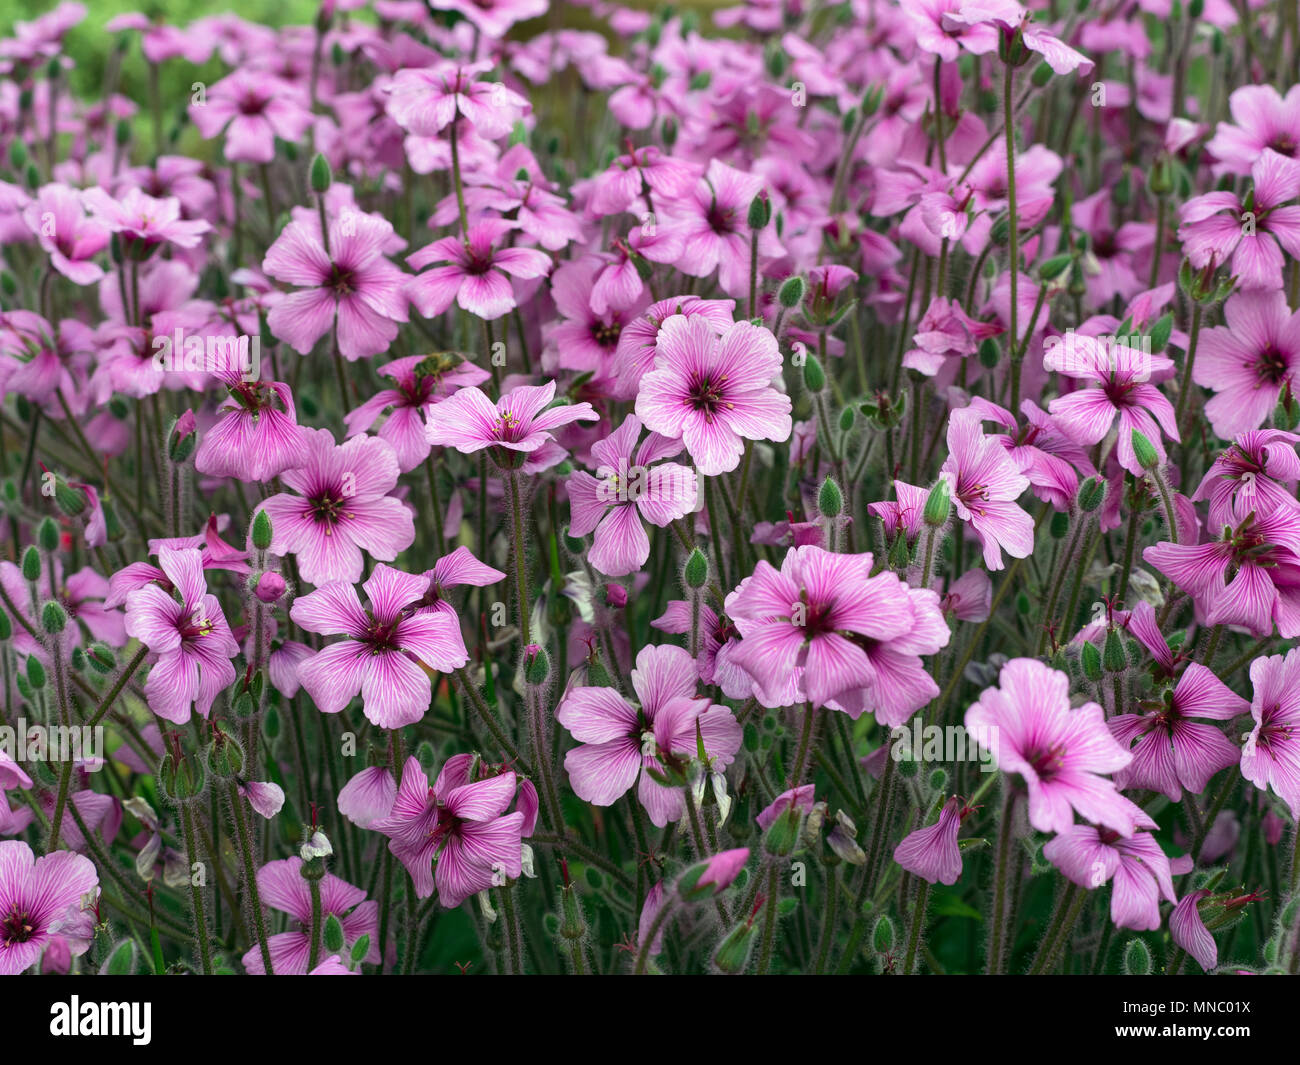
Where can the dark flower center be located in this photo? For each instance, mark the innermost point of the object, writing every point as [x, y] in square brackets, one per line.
[1271, 365]
[341, 280]
[17, 927]
[606, 334]
[251, 105]
[721, 219]
[707, 395]
[1047, 761]
[1283, 144]
[328, 508]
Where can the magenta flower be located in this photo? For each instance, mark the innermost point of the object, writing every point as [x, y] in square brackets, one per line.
[514, 427]
[1250, 577]
[427, 100]
[71, 239]
[384, 647]
[714, 392]
[932, 852]
[257, 436]
[620, 740]
[1270, 757]
[631, 485]
[619, 187]
[283, 888]
[342, 509]
[254, 108]
[419, 381]
[713, 221]
[461, 824]
[718, 642]
[822, 630]
[144, 222]
[1091, 856]
[1248, 361]
[1256, 474]
[638, 340]
[473, 272]
[984, 485]
[1123, 378]
[351, 287]
[191, 643]
[1264, 121]
[1172, 751]
[43, 902]
[1187, 929]
[1256, 249]
[1060, 752]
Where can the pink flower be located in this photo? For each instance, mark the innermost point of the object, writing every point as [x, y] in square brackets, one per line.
[944, 332]
[1255, 474]
[1256, 250]
[419, 381]
[713, 220]
[384, 647]
[639, 339]
[631, 485]
[427, 100]
[473, 272]
[351, 288]
[254, 108]
[1264, 121]
[1248, 361]
[822, 630]
[72, 239]
[718, 642]
[257, 436]
[1250, 577]
[932, 852]
[342, 509]
[43, 900]
[984, 485]
[519, 422]
[283, 888]
[1171, 751]
[1091, 856]
[1187, 929]
[1060, 752]
[144, 221]
[460, 823]
[190, 640]
[1271, 755]
[616, 189]
[1123, 378]
[713, 393]
[619, 740]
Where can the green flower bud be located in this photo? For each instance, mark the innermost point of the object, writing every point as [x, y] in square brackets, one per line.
[321, 176]
[32, 561]
[262, 532]
[697, 570]
[47, 535]
[990, 353]
[35, 673]
[1091, 494]
[830, 500]
[760, 211]
[733, 952]
[937, 505]
[1054, 267]
[1137, 958]
[53, 618]
[333, 934]
[225, 757]
[1059, 525]
[1090, 658]
[537, 665]
[791, 292]
[1144, 452]
[814, 377]
[883, 935]
[1042, 75]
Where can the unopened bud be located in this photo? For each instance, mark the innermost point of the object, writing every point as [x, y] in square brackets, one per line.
[830, 500]
[937, 505]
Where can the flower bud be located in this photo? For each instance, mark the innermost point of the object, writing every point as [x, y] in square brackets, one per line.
[830, 500]
[35, 673]
[47, 535]
[760, 211]
[321, 178]
[1091, 494]
[270, 587]
[333, 934]
[262, 533]
[791, 292]
[937, 505]
[1042, 75]
[615, 595]
[70, 501]
[733, 952]
[53, 618]
[883, 935]
[182, 437]
[1090, 658]
[1137, 958]
[180, 781]
[225, 757]
[32, 562]
[1054, 267]
[1144, 452]
[697, 570]
[99, 656]
[1113, 657]
[814, 377]
[537, 664]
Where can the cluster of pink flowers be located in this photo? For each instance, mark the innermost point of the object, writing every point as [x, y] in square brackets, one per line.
[576, 474]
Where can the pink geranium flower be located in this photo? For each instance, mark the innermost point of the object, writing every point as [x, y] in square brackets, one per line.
[257, 436]
[1091, 856]
[43, 901]
[620, 741]
[639, 339]
[384, 647]
[419, 381]
[461, 824]
[71, 238]
[514, 427]
[932, 852]
[1265, 120]
[254, 108]
[144, 222]
[714, 392]
[283, 888]
[1171, 749]
[1256, 474]
[1060, 752]
[473, 272]
[428, 99]
[189, 638]
[1270, 757]
[984, 485]
[351, 287]
[631, 485]
[1248, 361]
[342, 508]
